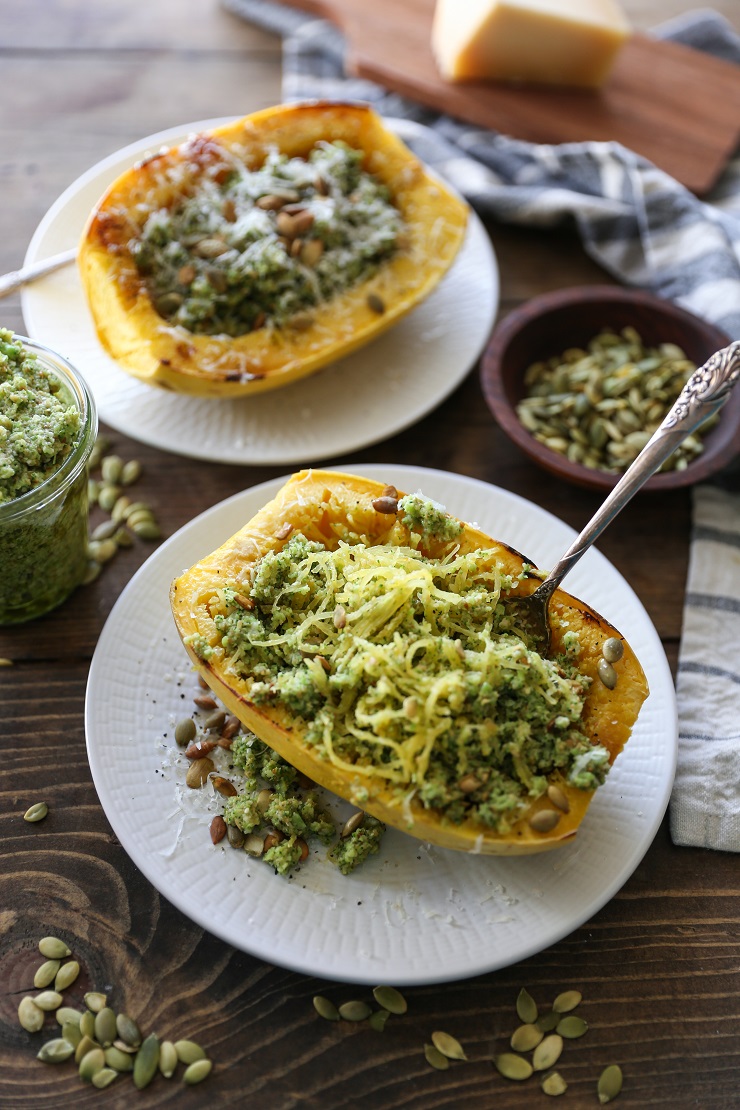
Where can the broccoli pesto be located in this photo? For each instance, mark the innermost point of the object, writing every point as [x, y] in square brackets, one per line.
[423, 683]
[255, 248]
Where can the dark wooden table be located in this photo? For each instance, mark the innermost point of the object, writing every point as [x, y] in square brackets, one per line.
[659, 966]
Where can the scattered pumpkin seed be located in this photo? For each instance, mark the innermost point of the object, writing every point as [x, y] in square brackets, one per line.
[147, 530]
[198, 772]
[448, 1045]
[185, 731]
[167, 1059]
[105, 1026]
[95, 1001]
[354, 1011]
[46, 973]
[110, 468]
[375, 303]
[105, 529]
[128, 1030]
[197, 1072]
[558, 797]
[253, 844]
[526, 1007]
[567, 1001]
[512, 1066]
[102, 551]
[56, 1051]
[607, 674]
[48, 1000]
[131, 472]
[122, 1046]
[87, 1024]
[86, 1044]
[612, 649]
[571, 1027]
[352, 824]
[91, 1063]
[236, 837]
[65, 1015]
[71, 1033]
[36, 812]
[146, 1062]
[435, 1058]
[92, 572]
[123, 538]
[548, 1022]
[544, 820]
[107, 496]
[30, 1015]
[66, 975]
[547, 1052]
[117, 1059]
[136, 516]
[610, 1083]
[325, 1008]
[554, 1084]
[377, 1020]
[390, 999]
[188, 1052]
[103, 1078]
[526, 1037]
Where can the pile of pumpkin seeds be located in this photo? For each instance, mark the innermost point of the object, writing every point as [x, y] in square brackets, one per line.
[128, 519]
[102, 1043]
[600, 406]
[544, 1036]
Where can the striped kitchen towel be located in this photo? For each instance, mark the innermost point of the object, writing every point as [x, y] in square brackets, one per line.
[646, 230]
[638, 223]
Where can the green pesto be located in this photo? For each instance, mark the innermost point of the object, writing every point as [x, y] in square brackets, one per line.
[349, 852]
[217, 263]
[39, 422]
[420, 514]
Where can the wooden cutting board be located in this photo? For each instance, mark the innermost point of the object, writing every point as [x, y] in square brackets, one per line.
[676, 106]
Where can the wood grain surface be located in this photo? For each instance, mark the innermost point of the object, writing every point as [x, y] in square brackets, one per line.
[659, 966]
[674, 105]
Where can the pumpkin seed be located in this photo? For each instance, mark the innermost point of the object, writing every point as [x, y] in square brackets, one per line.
[526, 1007]
[105, 530]
[87, 1024]
[526, 1037]
[48, 1000]
[122, 1046]
[544, 820]
[198, 772]
[85, 1045]
[111, 468]
[167, 1059]
[547, 1052]
[136, 515]
[71, 1033]
[107, 497]
[352, 824]
[102, 551]
[91, 1063]
[66, 975]
[571, 1027]
[253, 844]
[548, 1022]
[554, 1084]
[56, 1051]
[448, 1045]
[567, 1001]
[131, 472]
[325, 1008]
[105, 1026]
[119, 512]
[236, 837]
[147, 530]
[558, 798]
[185, 731]
[146, 1062]
[188, 1052]
[612, 649]
[378, 1019]
[103, 1078]
[46, 973]
[92, 572]
[197, 1072]
[128, 1030]
[607, 674]
[95, 1001]
[512, 1066]
[117, 1059]
[390, 999]
[375, 303]
[30, 1015]
[36, 812]
[435, 1058]
[354, 1011]
[65, 1015]
[610, 1083]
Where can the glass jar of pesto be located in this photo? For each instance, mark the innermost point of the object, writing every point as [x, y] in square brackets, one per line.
[48, 425]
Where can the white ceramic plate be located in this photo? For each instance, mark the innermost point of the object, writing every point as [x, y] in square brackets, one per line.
[414, 913]
[371, 394]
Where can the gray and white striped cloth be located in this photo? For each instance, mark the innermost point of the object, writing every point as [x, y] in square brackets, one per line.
[646, 230]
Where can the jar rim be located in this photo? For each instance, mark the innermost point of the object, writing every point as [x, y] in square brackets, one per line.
[61, 478]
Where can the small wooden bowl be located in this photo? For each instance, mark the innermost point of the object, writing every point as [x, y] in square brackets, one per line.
[548, 325]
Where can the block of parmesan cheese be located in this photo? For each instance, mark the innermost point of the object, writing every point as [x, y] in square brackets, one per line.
[552, 42]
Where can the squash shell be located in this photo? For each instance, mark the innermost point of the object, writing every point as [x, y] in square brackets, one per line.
[145, 345]
[323, 504]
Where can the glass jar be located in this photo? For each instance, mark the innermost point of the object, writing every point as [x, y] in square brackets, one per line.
[43, 532]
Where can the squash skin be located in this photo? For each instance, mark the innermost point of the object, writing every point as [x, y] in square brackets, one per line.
[315, 502]
[146, 346]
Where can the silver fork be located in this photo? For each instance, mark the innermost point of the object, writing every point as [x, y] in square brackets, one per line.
[17, 278]
[703, 395]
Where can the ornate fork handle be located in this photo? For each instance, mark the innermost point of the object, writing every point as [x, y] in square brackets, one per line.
[16, 278]
[703, 395]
